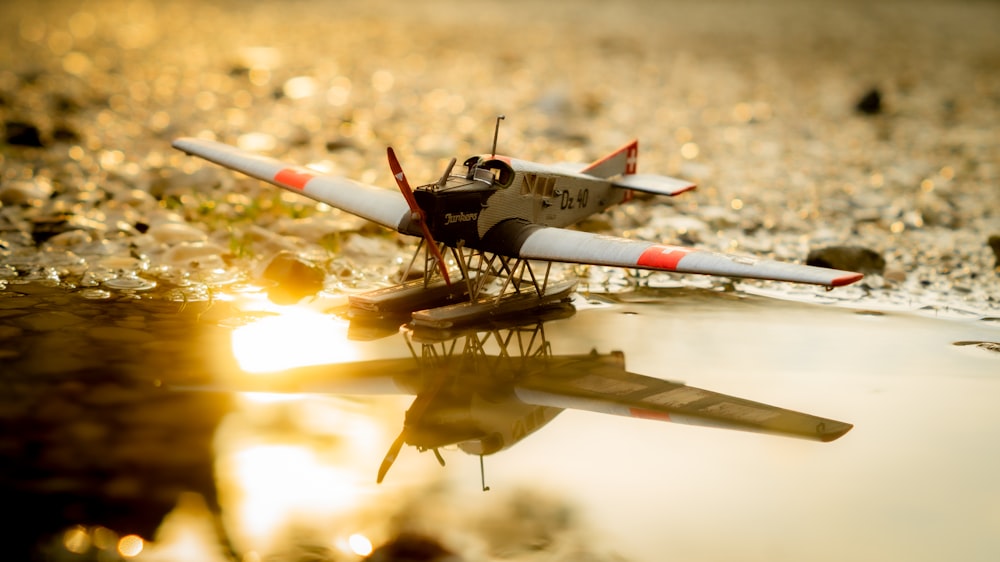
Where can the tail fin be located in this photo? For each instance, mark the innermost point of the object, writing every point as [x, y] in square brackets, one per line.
[622, 161]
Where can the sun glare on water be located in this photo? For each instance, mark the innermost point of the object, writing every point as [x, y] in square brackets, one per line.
[295, 337]
[282, 480]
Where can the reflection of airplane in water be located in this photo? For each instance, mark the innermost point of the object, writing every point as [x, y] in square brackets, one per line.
[486, 390]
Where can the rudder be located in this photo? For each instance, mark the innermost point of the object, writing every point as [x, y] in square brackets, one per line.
[620, 162]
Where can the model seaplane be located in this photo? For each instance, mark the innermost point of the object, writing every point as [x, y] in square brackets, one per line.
[484, 390]
[501, 218]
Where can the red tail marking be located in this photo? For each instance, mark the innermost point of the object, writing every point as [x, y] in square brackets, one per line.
[296, 178]
[663, 257]
[632, 158]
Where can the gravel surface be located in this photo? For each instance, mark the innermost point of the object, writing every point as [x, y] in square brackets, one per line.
[806, 125]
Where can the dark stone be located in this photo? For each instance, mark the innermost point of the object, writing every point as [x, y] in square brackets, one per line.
[339, 144]
[870, 103]
[20, 133]
[63, 103]
[295, 278]
[65, 133]
[848, 258]
[411, 548]
[994, 242]
[44, 228]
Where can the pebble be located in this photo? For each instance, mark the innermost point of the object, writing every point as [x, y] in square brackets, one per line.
[195, 255]
[870, 103]
[176, 232]
[295, 278]
[29, 193]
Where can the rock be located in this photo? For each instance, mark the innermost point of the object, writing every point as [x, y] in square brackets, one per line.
[28, 193]
[849, 258]
[895, 275]
[994, 242]
[176, 232]
[409, 547]
[47, 226]
[195, 255]
[870, 103]
[20, 133]
[295, 278]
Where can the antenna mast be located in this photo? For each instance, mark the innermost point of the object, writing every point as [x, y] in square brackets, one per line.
[496, 132]
[482, 469]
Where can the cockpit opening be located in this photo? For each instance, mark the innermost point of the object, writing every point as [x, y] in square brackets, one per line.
[492, 170]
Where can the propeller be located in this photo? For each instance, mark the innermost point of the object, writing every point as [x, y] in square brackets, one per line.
[390, 456]
[413, 417]
[416, 214]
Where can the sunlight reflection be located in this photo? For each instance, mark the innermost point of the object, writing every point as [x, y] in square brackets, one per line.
[186, 533]
[360, 544]
[296, 468]
[285, 478]
[295, 337]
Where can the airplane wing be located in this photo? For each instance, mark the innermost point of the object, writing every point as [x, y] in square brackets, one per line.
[382, 206]
[375, 377]
[571, 246]
[608, 389]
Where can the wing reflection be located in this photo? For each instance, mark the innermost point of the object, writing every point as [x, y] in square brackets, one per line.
[484, 390]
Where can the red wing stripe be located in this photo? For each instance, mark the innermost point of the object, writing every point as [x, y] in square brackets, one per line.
[846, 280]
[663, 257]
[294, 177]
[648, 414]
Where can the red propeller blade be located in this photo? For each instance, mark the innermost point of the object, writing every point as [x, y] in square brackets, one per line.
[417, 212]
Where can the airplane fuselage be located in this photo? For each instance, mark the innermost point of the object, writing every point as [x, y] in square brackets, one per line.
[470, 209]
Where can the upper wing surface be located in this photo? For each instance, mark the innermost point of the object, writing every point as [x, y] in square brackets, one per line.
[608, 389]
[382, 206]
[562, 245]
[652, 183]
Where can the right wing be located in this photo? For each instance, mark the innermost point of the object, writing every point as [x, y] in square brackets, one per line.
[607, 388]
[382, 206]
[573, 246]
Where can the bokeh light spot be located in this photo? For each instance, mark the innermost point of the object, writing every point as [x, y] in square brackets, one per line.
[130, 546]
[76, 540]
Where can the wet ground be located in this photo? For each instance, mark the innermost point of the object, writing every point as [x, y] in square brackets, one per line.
[133, 278]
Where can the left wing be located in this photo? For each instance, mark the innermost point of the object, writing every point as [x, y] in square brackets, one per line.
[571, 246]
[382, 206]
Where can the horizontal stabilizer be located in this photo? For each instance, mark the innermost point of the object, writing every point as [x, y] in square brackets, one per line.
[651, 183]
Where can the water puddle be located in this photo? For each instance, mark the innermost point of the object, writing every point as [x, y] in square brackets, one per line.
[261, 430]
